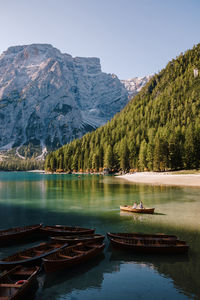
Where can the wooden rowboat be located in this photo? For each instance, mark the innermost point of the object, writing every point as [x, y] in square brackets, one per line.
[18, 283]
[146, 236]
[31, 256]
[65, 230]
[71, 256]
[18, 233]
[75, 239]
[137, 210]
[151, 248]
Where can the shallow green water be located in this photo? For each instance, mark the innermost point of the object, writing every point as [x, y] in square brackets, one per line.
[93, 201]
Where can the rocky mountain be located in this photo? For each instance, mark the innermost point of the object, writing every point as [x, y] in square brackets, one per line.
[48, 98]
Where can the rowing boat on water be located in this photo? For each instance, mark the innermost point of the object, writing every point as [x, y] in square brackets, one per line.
[71, 256]
[65, 230]
[18, 283]
[18, 233]
[150, 247]
[31, 256]
[137, 210]
[146, 236]
[72, 240]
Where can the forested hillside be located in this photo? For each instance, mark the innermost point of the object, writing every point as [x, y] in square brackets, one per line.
[158, 130]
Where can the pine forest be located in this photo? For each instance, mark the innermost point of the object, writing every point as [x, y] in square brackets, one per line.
[158, 130]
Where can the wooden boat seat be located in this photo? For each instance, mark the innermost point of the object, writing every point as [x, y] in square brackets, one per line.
[23, 272]
[10, 285]
[64, 256]
[38, 251]
[79, 251]
[24, 256]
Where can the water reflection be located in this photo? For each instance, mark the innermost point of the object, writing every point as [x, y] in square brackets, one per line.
[122, 273]
[93, 201]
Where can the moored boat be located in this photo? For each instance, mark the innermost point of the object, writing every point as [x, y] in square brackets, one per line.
[137, 210]
[18, 233]
[72, 240]
[71, 256]
[150, 247]
[65, 230]
[18, 283]
[146, 236]
[31, 256]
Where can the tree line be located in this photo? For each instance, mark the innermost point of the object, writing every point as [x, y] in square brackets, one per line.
[21, 165]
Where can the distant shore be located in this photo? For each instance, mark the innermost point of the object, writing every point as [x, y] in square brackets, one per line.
[163, 178]
[36, 171]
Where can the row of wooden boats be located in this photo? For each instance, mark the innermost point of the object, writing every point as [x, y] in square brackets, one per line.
[149, 243]
[34, 255]
[66, 250]
[18, 280]
[68, 247]
[17, 234]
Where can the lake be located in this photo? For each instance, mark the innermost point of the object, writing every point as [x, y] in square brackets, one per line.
[93, 201]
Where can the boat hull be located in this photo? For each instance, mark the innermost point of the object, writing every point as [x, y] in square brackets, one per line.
[16, 234]
[150, 248]
[137, 210]
[53, 264]
[72, 240]
[146, 236]
[59, 230]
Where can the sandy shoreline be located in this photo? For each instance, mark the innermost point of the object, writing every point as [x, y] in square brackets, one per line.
[163, 178]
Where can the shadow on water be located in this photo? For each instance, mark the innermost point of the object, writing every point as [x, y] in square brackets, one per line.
[136, 215]
[78, 271]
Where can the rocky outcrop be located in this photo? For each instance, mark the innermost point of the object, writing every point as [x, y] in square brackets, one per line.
[134, 85]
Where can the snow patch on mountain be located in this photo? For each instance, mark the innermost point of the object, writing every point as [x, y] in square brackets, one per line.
[134, 85]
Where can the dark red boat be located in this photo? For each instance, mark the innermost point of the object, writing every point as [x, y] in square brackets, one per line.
[71, 256]
[31, 256]
[72, 240]
[19, 283]
[150, 247]
[65, 230]
[16, 234]
[146, 236]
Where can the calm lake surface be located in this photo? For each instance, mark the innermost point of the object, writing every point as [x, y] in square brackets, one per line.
[93, 201]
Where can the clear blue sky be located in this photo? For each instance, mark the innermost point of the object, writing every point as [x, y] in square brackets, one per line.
[131, 37]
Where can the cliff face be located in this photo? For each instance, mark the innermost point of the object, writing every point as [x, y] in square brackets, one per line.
[49, 98]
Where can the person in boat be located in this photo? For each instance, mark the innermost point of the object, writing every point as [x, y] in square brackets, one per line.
[134, 205]
[140, 205]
